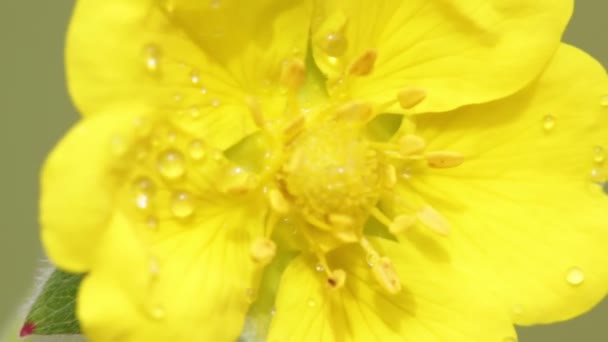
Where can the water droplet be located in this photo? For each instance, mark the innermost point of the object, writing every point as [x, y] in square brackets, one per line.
[204, 91]
[597, 176]
[142, 201]
[154, 267]
[195, 77]
[548, 122]
[334, 44]
[575, 276]
[250, 295]
[197, 150]
[319, 268]
[158, 312]
[371, 259]
[311, 302]
[152, 223]
[599, 155]
[118, 145]
[152, 55]
[604, 101]
[195, 112]
[144, 185]
[178, 97]
[518, 310]
[182, 205]
[171, 164]
[215, 102]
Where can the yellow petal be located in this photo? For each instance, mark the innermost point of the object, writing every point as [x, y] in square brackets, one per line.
[437, 302]
[188, 60]
[457, 51]
[527, 218]
[190, 282]
[78, 186]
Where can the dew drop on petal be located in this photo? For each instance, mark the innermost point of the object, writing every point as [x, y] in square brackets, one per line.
[195, 112]
[597, 176]
[170, 164]
[204, 91]
[548, 123]
[152, 55]
[195, 77]
[311, 302]
[158, 312]
[599, 156]
[182, 205]
[319, 268]
[215, 103]
[197, 150]
[575, 276]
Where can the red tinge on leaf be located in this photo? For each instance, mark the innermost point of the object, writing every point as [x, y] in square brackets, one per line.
[27, 330]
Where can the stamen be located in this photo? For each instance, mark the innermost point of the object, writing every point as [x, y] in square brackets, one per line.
[294, 128]
[278, 202]
[293, 73]
[444, 159]
[359, 111]
[411, 144]
[336, 279]
[364, 65]
[263, 251]
[256, 112]
[401, 223]
[434, 220]
[409, 98]
[386, 276]
[341, 221]
[390, 176]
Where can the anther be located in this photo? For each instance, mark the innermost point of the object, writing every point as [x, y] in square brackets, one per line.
[411, 144]
[434, 220]
[385, 274]
[263, 250]
[409, 98]
[390, 176]
[256, 111]
[401, 223]
[293, 73]
[443, 159]
[355, 110]
[278, 202]
[364, 65]
[336, 279]
[341, 221]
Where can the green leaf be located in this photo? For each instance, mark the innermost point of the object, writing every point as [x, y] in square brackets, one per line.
[54, 311]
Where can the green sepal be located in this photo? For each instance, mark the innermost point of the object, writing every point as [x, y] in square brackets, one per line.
[54, 310]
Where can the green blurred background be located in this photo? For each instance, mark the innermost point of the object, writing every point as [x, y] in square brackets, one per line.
[35, 111]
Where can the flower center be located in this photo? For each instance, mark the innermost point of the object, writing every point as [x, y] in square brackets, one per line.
[333, 178]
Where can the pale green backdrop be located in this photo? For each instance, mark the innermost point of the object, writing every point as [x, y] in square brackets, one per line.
[35, 111]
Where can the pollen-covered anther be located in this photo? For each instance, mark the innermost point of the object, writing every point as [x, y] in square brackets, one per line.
[433, 220]
[401, 224]
[411, 144]
[278, 202]
[263, 251]
[390, 176]
[355, 110]
[385, 274]
[293, 73]
[411, 97]
[336, 279]
[443, 159]
[364, 65]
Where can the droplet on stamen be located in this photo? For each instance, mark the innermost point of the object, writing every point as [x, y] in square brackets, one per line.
[182, 205]
[548, 123]
[575, 276]
[170, 164]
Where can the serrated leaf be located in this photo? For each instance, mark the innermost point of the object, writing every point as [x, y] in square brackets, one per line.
[54, 310]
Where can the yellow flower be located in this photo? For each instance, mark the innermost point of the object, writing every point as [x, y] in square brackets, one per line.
[403, 170]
